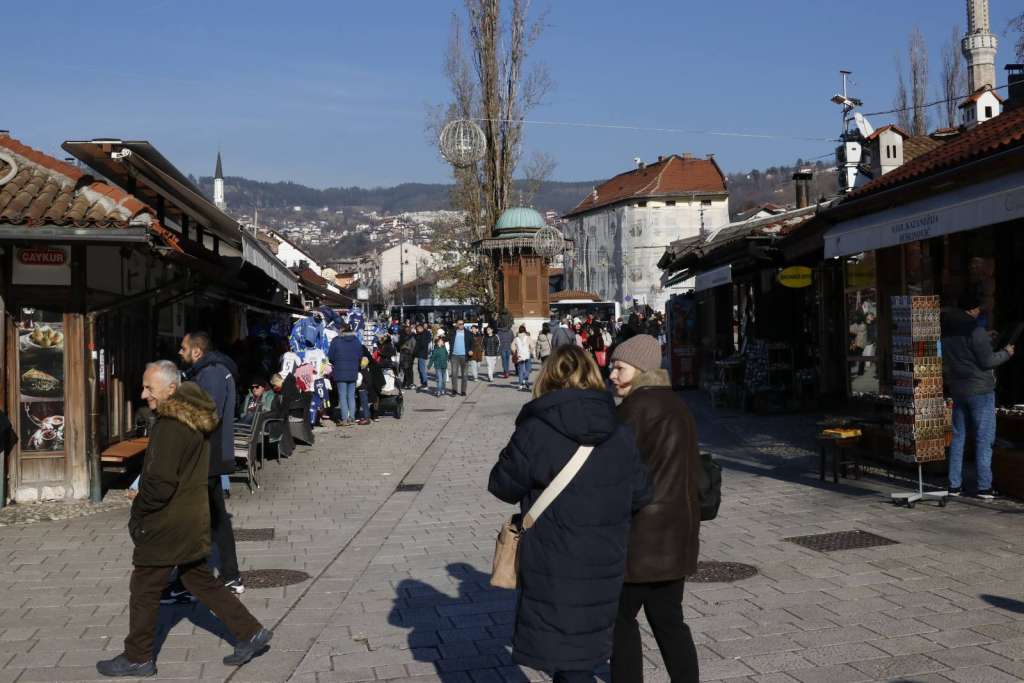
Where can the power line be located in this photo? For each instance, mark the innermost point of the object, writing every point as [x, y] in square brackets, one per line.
[927, 104]
[645, 129]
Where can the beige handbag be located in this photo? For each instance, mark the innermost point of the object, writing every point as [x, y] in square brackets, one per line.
[505, 571]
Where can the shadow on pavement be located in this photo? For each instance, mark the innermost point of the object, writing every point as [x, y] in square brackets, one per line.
[1008, 604]
[197, 613]
[459, 635]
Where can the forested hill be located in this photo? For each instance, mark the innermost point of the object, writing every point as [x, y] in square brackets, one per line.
[746, 189]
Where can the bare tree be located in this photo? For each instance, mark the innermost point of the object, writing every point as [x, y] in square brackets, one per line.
[1017, 24]
[954, 77]
[900, 103]
[539, 169]
[917, 52]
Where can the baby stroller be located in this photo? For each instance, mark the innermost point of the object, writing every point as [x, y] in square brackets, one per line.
[391, 399]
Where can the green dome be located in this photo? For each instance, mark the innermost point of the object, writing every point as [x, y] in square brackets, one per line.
[520, 219]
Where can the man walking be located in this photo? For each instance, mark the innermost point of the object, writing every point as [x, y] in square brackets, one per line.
[170, 525]
[462, 345]
[344, 354]
[563, 334]
[505, 339]
[215, 374]
[968, 363]
[422, 352]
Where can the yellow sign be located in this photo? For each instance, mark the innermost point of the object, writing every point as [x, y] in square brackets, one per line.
[795, 277]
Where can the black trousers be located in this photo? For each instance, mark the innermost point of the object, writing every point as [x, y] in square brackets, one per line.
[573, 677]
[144, 605]
[663, 606]
[221, 532]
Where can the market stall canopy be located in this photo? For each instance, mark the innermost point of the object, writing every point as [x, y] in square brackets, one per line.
[713, 278]
[42, 197]
[257, 253]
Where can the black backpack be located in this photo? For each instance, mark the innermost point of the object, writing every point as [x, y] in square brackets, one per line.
[709, 487]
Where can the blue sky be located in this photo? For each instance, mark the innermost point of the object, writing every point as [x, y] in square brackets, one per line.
[335, 92]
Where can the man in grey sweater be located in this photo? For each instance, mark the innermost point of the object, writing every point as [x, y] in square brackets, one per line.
[968, 363]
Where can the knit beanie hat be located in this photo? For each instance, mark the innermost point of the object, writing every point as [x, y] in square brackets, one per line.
[642, 351]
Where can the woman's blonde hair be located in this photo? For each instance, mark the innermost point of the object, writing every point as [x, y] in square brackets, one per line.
[568, 367]
[276, 380]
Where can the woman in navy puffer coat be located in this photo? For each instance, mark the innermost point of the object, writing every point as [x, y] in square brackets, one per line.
[572, 562]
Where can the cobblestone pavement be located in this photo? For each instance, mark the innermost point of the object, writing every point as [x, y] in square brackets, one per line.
[399, 585]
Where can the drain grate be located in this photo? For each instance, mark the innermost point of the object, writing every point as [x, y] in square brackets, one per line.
[273, 578]
[254, 535]
[841, 540]
[429, 410]
[409, 487]
[722, 572]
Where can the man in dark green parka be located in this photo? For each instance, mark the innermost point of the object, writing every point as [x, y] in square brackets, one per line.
[170, 525]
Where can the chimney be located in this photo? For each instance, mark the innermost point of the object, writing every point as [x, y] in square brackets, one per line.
[4, 133]
[687, 155]
[1014, 86]
[639, 162]
[802, 184]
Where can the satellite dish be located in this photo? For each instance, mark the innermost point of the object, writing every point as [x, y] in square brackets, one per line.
[863, 126]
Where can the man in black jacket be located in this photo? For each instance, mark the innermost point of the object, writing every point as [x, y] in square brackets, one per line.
[216, 374]
[968, 363]
[422, 352]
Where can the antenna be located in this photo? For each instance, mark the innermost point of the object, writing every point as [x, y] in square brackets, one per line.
[865, 128]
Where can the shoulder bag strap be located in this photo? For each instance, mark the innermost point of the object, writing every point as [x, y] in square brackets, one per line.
[557, 485]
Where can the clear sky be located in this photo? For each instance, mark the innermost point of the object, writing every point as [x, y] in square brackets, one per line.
[335, 92]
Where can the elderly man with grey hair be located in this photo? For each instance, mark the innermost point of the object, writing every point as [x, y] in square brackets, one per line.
[170, 525]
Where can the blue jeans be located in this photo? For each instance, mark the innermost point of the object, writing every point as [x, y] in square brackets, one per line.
[506, 360]
[981, 411]
[523, 368]
[364, 403]
[442, 377]
[421, 365]
[347, 399]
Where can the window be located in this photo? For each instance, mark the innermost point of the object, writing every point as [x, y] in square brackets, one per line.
[670, 202]
[988, 112]
[641, 204]
[705, 202]
[862, 324]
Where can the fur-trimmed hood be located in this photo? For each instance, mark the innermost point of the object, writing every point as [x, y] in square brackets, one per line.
[651, 378]
[192, 407]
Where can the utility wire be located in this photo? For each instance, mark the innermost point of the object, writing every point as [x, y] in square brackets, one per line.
[927, 104]
[612, 126]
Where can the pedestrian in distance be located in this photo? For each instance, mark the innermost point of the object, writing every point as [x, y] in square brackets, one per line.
[573, 560]
[562, 334]
[407, 354]
[170, 525]
[492, 347]
[422, 352]
[439, 362]
[505, 339]
[968, 363]
[663, 540]
[544, 342]
[344, 354]
[522, 350]
[215, 374]
[461, 347]
[476, 354]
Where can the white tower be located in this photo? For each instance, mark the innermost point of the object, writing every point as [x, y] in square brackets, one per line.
[979, 47]
[218, 186]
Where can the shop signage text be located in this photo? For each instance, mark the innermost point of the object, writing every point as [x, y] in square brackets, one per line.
[42, 257]
[713, 278]
[795, 277]
[42, 266]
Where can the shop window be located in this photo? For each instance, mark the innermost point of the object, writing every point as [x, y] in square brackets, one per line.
[41, 381]
[862, 324]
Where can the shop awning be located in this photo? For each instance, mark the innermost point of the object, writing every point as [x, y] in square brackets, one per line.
[257, 254]
[713, 278]
[968, 208]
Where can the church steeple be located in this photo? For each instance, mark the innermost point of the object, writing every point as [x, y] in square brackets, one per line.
[218, 185]
[979, 47]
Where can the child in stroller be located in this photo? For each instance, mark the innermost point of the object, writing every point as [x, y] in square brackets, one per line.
[391, 398]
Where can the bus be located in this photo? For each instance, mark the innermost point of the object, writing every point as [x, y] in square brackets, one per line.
[602, 311]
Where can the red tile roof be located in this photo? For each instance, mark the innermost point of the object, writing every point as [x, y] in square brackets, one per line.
[573, 294]
[995, 135]
[889, 126]
[970, 99]
[47, 191]
[671, 176]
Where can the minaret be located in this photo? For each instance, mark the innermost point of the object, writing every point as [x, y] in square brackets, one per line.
[218, 186]
[979, 47]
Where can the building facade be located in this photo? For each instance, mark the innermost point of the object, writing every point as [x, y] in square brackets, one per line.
[622, 228]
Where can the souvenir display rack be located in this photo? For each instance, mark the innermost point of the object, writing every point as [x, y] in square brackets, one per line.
[922, 418]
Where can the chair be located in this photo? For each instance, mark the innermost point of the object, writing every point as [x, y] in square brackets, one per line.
[251, 441]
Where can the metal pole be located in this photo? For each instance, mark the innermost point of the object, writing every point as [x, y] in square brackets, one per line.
[91, 453]
[401, 274]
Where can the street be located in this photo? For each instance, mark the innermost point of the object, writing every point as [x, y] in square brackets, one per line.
[394, 526]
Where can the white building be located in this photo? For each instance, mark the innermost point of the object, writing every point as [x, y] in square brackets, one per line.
[622, 228]
[218, 186]
[292, 256]
[417, 262]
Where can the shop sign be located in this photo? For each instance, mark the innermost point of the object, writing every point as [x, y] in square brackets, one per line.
[362, 293]
[795, 277]
[713, 278]
[42, 266]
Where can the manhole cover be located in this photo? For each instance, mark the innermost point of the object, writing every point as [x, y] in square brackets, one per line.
[409, 487]
[429, 410]
[272, 578]
[722, 572]
[841, 540]
[254, 535]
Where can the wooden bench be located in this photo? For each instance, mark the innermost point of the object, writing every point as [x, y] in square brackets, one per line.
[117, 456]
